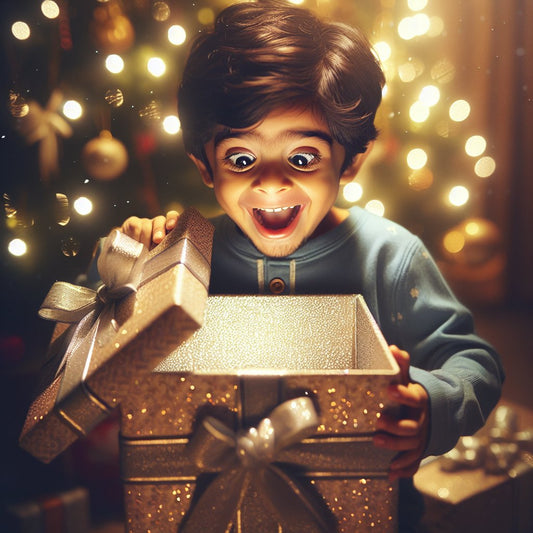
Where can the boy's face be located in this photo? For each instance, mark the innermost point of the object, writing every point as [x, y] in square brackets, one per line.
[277, 180]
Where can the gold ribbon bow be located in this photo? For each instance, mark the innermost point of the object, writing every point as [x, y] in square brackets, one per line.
[247, 458]
[120, 266]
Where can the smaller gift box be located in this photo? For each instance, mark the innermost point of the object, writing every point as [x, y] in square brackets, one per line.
[149, 302]
[486, 482]
[263, 421]
[62, 512]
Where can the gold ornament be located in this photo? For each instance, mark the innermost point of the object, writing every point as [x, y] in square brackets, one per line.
[105, 157]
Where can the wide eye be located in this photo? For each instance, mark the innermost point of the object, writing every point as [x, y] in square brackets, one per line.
[241, 161]
[304, 160]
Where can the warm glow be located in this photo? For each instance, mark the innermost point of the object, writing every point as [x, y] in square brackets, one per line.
[475, 146]
[429, 95]
[296, 2]
[407, 72]
[459, 110]
[177, 34]
[458, 195]
[171, 124]
[436, 26]
[206, 16]
[419, 112]
[17, 247]
[417, 5]
[72, 109]
[376, 207]
[472, 228]
[156, 66]
[411, 27]
[416, 158]
[83, 206]
[114, 63]
[352, 192]
[485, 167]
[454, 241]
[421, 179]
[50, 9]
[383, 50]
[20, 30]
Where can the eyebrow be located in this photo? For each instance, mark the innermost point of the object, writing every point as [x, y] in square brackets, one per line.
[228, 133]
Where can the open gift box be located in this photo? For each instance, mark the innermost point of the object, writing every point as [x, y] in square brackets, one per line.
[149, 303]
[186, 457]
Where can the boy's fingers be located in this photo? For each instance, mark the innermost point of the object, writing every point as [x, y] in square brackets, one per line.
[171, 220]
[158, 229]
[394, 442]
[402, 428]
[403, 360]
[412, 395]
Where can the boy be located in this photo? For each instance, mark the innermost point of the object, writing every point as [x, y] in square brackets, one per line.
[277, 110]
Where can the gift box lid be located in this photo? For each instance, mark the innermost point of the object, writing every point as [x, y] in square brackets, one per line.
[148, 304]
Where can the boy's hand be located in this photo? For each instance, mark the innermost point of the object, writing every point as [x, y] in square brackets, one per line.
[407, 435]
[150, 231]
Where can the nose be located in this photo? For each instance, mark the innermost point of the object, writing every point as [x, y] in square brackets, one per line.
[271, 182]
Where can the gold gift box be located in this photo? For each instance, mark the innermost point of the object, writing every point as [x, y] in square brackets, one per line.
[252, 354]
[148, 324]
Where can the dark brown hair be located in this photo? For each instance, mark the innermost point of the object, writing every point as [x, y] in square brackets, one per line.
[266, 55]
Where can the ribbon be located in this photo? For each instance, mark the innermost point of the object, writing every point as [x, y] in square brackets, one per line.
[246, 459]
[120, 266]
[43, 126]
[498, 452]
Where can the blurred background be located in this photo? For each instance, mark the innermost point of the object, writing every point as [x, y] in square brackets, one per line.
[89, 136]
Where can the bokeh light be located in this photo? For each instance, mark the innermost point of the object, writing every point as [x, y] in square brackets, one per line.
[114, 97]
[417, 5]
[176, 34]
[156, 67]
[458, 195]
[416, 158]
[383, 50]
[17, 247]
[114, 63]
[421, 179]
[429, 95]
[454, 241]
[83, 206]
[171, 124]
[352, 192]
[376, 207]
[485, 167]
[419, 112]
[50, 9]
[475, 145]
[206, 16]
[20, 30]
[459, 110]
[72, 109]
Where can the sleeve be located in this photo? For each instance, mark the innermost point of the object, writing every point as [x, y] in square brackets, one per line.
[461, 372]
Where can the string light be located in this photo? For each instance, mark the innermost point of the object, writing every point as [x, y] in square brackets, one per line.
[156, 67]
[50, 9]
[20, 30]
[17, 247]
[72, 109]
[171, 124]
[114, 63]
[416, 158]
[176, 34]
[459, 110]
[352, 192]
[458, 195]
[485, 167]
[83, 206]
[376, 207]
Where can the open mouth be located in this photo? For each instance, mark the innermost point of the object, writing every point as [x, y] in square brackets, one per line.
[277, 218]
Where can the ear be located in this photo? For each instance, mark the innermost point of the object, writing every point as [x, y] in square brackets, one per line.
[205, 173]
[353, 168]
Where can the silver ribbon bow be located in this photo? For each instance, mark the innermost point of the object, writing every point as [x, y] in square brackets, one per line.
[498, 452]
[247, 459]
[120, 266]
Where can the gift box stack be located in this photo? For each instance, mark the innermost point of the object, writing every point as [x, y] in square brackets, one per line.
[486, 482]
[260, 420]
